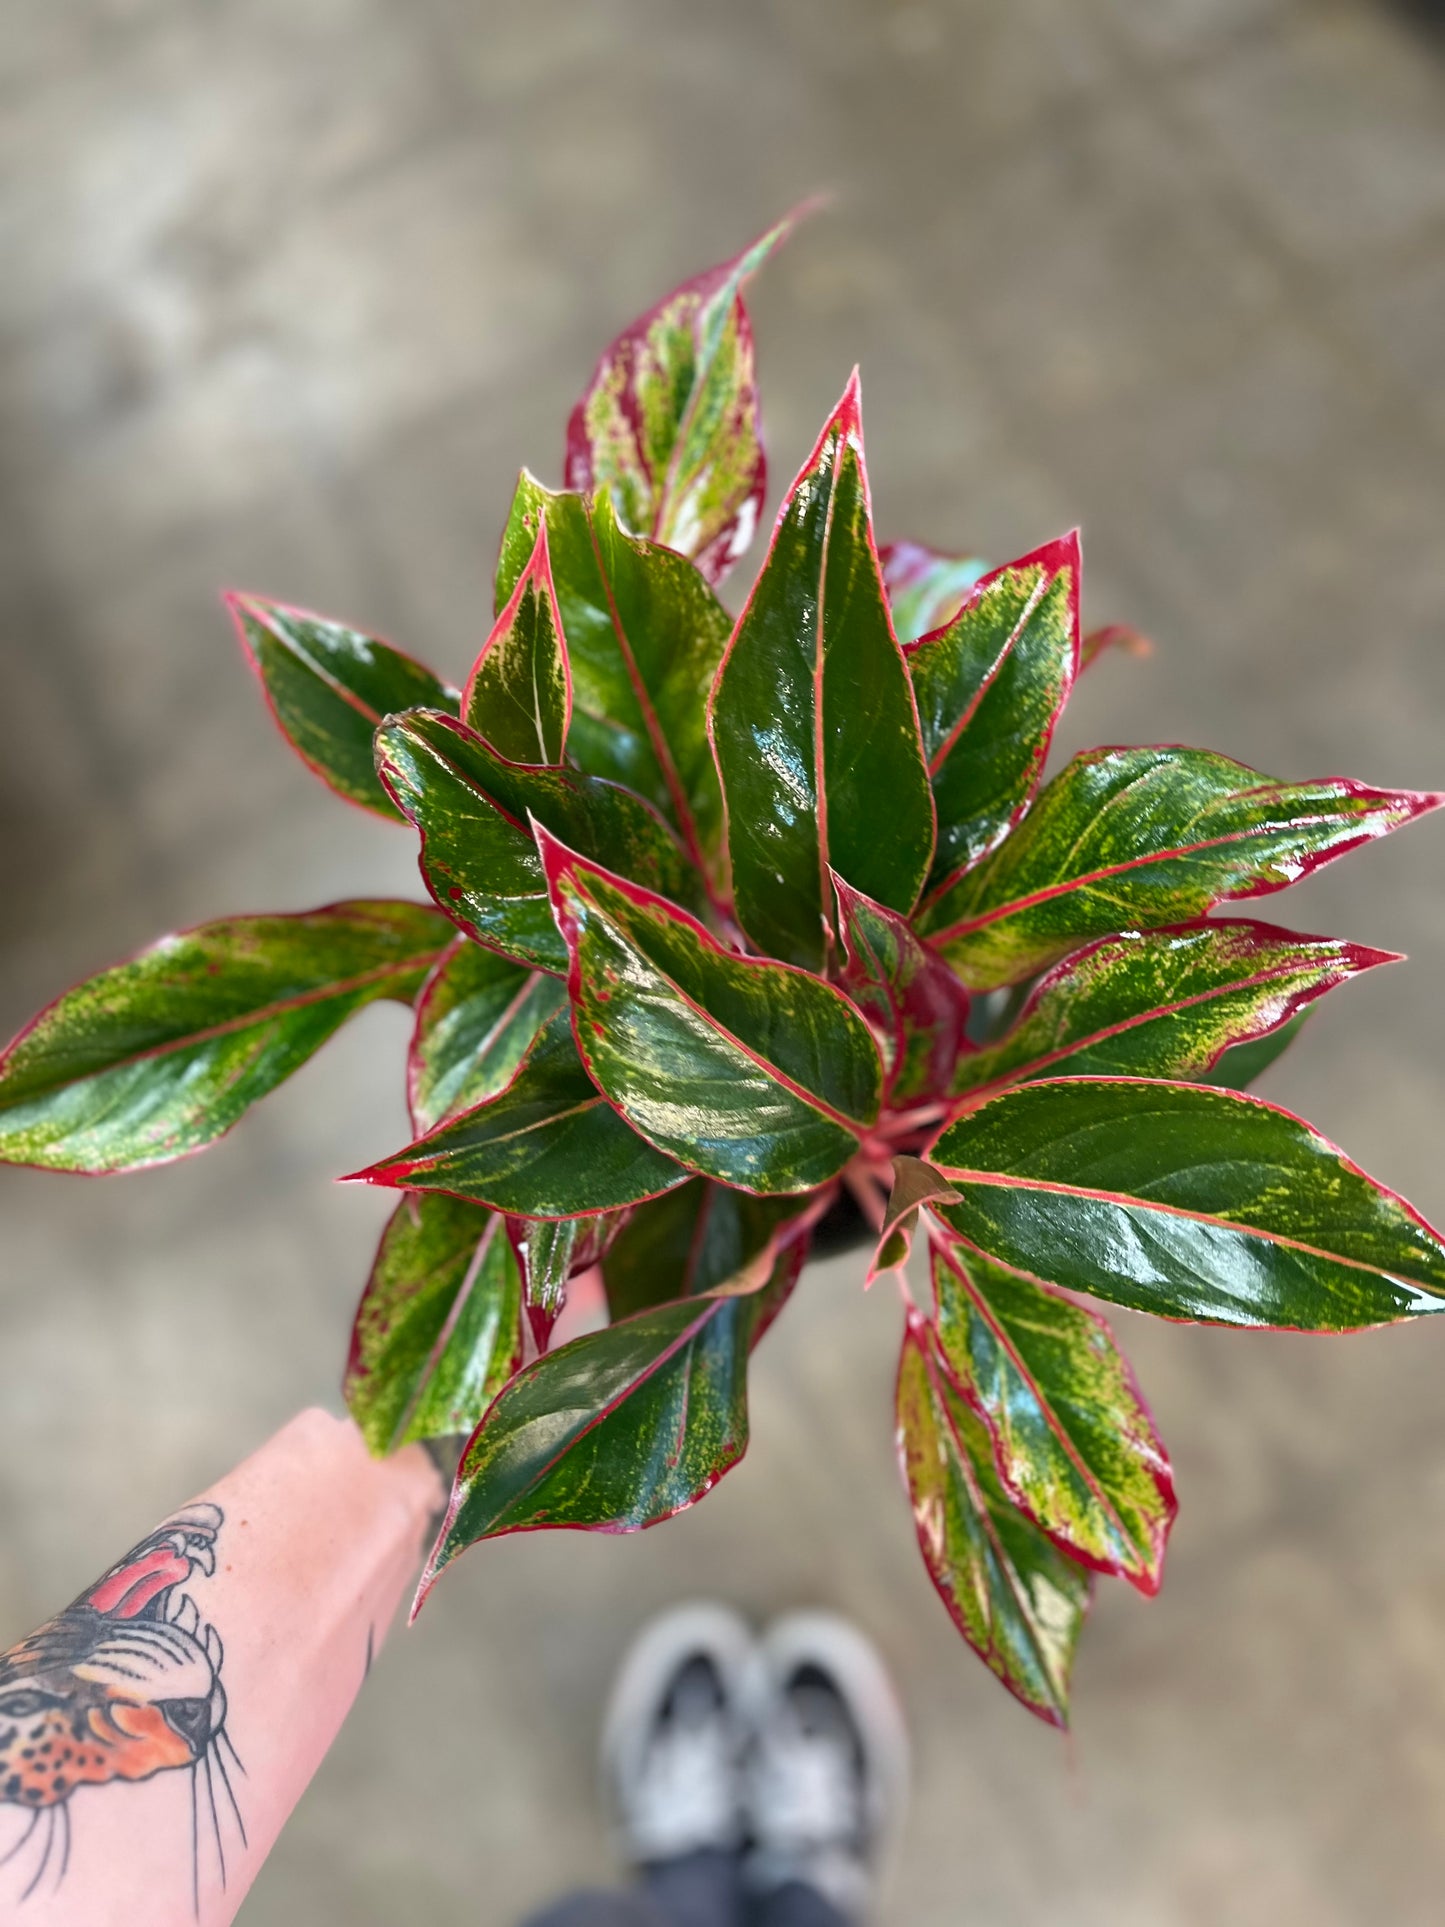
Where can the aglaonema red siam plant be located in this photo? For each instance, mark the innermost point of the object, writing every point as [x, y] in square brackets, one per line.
[743, 934]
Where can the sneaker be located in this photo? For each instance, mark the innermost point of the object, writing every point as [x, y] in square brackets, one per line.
[674, 1736]
[827, 1774]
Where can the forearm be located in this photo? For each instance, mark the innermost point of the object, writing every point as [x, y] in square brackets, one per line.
[155, 1736]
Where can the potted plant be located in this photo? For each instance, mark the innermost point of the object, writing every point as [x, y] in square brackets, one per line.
[743, 938]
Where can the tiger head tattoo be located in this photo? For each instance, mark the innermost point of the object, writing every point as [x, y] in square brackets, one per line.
[123, 1684]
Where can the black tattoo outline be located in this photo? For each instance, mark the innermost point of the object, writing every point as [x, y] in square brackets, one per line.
[124, 1684]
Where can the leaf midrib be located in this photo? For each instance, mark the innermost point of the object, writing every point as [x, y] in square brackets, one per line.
[1155, 1013]
[246, 1020]
[997, 1180]
[1136, 1563]
[1088, 878]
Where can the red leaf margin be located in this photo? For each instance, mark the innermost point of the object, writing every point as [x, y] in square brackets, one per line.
[1146, 1581]
[558, 862]
[997, 1181]
[1359, 958]
[710, 1306]
[234, 600]
[723, 551]
[344, 905]
[918, 1333]
[538, 570]
[1412, 803]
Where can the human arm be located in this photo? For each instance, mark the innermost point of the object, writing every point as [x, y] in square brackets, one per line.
[155, 1735]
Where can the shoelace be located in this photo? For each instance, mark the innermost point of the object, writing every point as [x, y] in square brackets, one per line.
[804, 1790]
[686, 1794]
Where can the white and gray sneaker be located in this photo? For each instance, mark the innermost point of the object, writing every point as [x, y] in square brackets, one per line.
[674, 1737]
[827, 1774]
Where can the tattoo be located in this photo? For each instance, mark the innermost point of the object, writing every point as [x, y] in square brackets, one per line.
[122, 1685]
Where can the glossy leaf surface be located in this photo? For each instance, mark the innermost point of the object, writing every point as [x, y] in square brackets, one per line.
[917, 1004]
[475, 1021]
[546, 1256]
[701, 1237]
[548, 1146]
[750, 1072]
[519, 694]
[478, 855]
[990, 686]
[669, 421]
[438, 1329]
[1164, 1003]
[1073, 1441]
[162, 1054]
[813, 718]
[645, 635]
[1189, 1202]
[1017, 1600]
[328, 687]
[925, 588]
[1134, 838]
[617, 1430]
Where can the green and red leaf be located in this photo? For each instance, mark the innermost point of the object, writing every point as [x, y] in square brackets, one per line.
[1074, 1444]
[548, 1146]
[702, 1237]
[618, 1430]
[918, 1006]
[1130, 839]
[160, 1055]
[478, 855]
[1186, 1201]
[669, 421]
[813, 719]
[1017, 1600]
[1164, 1003]
[328, 687]
[925, 589]
[915, 1184]
[545, 1249]
[519, 694]
[645, 635]
[751, 1072]
[477, 1017]
[438, 1330]
[990, 686]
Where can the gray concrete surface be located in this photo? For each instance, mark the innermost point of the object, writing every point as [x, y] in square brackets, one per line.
[289, 293]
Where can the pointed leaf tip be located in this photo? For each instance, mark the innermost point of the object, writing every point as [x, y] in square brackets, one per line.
[812, 719]
[519, 693]
[548, 1145]
[669, 421]
[1164, 1003]
[990, 685]
[1189, 1201]
[1016, 1598]
[644, 636]
[1140, 838]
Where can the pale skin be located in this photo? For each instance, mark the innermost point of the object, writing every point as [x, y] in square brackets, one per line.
[156, 1734]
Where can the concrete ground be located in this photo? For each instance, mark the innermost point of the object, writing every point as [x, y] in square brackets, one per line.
[289, 293]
